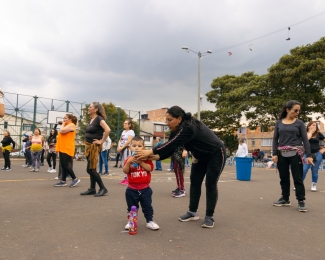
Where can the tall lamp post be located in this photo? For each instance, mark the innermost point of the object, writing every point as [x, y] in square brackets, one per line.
[199, 54]
[118, 123]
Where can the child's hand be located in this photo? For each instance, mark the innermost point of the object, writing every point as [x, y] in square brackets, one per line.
[131, 160]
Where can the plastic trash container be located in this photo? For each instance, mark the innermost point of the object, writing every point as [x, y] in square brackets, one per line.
[243, 168]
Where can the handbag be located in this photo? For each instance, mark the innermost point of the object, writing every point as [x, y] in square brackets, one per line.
[288, 153]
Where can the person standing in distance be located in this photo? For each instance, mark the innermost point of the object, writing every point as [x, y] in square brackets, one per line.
[290, 142]
[158, 162]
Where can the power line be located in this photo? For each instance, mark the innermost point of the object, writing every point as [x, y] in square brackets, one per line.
[266, 35]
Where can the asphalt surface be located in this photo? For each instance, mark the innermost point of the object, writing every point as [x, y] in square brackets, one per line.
[40, 221]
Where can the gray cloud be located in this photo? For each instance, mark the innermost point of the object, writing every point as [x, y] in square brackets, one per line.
[129, 52]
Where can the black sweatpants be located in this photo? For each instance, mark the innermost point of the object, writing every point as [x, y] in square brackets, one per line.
[94, 176]
[65, 161]
[297, 173]
[29, 157]
[133, 197]
[212, 170]
[53, 156]
[6, 156]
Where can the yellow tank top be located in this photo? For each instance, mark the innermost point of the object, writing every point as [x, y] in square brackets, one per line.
[65, 142]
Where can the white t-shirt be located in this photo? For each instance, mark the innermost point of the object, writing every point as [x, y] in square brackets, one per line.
[107, 144]
[242, 150]
[125, 136]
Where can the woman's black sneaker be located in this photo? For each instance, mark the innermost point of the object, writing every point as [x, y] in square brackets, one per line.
[208, 222]
[302, 206]
[88, 192]
[282, 202]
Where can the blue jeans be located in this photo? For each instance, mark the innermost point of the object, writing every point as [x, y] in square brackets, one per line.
[103, 160]
[314, 169]
[187, 161]
[158, 165]
[36, 159]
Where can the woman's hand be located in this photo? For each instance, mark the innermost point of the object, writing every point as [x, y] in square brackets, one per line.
[310, 160]
[119, 149]
[96, 141]
[143, 154]
[275, 159]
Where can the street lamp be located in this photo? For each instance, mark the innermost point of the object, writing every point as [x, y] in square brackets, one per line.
[118, 122]
[199, 54]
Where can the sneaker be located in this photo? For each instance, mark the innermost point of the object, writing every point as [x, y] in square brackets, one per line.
[152, 225]
[49, 169]
[302, 206]
[127, 226]
[8, 169]
[24, 165]
[124, 182]
[100, 173]
[32, 170]
[56, 178]
[120, 166]
[175, 191]
[179, 194]
[36, 170]
[188, 216]
[115, 166]
[106, 173]
[42, 164]
[53, 171]
[313, 186]
[208, 222]
[281, 202]
[74, 182]
[60, 184]
[3, 169]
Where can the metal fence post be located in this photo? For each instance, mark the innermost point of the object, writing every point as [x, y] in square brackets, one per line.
[34, 113]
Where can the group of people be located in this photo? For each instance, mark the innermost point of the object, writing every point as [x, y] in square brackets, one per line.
[294, 147]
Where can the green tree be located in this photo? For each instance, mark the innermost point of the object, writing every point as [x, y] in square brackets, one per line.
[299, 75]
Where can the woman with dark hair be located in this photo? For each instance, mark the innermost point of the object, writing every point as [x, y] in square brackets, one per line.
[36, 150]
[95, 137]
[314, 137]
[209, 157]
[123, 145]
[51, 153]
[6, 149]
[65, 145]
[290, 142]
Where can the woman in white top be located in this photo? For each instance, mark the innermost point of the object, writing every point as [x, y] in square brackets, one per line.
[242, 148]
[123, 145]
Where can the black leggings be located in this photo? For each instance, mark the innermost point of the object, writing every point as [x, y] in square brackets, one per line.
[53, 156]
[6, 156]
[212, 170]
[65, 161]
[94, 177]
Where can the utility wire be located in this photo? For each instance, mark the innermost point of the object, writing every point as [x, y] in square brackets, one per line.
[265, 35]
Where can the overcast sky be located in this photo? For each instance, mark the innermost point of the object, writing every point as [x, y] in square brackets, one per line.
[130, 52]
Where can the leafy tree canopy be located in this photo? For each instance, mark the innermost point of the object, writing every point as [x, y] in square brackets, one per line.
[299, 75]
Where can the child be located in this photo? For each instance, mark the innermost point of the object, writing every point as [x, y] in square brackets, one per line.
[139, 176]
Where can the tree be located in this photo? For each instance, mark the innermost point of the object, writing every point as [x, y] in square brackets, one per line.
[112, 121]
[299, 76]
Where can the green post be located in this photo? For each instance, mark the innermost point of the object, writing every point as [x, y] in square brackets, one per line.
[118, 123]
[34, 114]
[67, 107]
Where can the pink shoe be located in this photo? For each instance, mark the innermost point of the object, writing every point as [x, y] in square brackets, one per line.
[124, 182]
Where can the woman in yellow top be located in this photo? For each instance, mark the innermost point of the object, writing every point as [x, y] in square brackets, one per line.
[36, 149]
[65, 146]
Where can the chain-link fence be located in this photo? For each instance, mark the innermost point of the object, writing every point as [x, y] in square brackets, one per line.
[25, 113]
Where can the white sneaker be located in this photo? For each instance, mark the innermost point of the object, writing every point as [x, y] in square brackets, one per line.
[49, 169]
[52, 171]
[24, 165]
[32, 170]
[127, 226]
[56, 178]
[313, 186]
[152, 225]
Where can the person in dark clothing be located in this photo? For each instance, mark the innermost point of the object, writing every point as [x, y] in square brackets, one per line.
[95, 137]
[117, 159]
[6, 149]
[209, 157]
[51, 153]
[314, 137]
[28, 152]
[290, 142]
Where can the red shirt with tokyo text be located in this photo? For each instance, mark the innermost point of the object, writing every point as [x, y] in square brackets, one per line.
[138, 177]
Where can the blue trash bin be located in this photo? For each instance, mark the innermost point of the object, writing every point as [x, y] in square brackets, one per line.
[243, 168]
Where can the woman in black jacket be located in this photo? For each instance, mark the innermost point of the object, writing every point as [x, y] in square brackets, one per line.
[6, 149]
[209, 156]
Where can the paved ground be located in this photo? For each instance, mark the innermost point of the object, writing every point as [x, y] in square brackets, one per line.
[39, 221]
